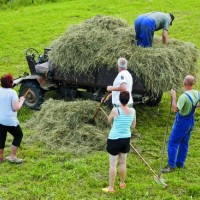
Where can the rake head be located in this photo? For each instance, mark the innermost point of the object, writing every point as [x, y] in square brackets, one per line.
[160, 181]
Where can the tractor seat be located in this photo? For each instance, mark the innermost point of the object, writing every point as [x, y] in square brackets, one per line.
[42, 68]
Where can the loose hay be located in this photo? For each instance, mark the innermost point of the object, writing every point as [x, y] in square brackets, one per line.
[98, 42]
[64, 126]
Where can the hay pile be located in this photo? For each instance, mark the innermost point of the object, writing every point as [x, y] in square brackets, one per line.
[98, 43]
[64, 126]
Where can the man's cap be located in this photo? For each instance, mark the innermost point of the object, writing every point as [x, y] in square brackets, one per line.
[172, 18]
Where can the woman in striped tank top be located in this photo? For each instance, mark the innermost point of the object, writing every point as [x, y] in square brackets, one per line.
[122, 119]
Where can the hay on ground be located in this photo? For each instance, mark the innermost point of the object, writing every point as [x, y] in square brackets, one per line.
[64, 126]
[98, 42]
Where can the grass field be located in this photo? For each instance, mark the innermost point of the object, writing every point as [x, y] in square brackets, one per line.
[48, 174]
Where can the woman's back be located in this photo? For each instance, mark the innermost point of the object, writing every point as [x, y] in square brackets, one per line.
[122, 123]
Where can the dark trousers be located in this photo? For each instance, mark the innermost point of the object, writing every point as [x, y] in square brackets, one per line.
[15, 131]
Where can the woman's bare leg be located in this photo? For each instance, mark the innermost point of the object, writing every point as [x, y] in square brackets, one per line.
[112, 171]
[122, 167]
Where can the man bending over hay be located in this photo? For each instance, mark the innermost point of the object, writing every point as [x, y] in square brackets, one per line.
[147, 24]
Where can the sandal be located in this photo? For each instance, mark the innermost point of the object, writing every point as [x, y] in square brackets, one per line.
[107, 190]
[122, 185]
[14, 160]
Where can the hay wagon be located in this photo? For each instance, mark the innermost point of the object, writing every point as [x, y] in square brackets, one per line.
[87, 86]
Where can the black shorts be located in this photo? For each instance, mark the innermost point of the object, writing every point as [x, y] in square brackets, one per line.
[15, 131]
[121, 145]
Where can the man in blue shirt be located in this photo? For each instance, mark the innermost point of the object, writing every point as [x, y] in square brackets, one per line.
[147, 24]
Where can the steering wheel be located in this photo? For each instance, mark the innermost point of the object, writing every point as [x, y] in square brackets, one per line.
[31, 53]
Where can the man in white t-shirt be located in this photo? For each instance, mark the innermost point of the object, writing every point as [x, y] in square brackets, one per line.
[123, 82]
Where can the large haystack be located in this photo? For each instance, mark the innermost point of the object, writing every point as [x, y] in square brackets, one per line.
[100, 41]
[65, 126]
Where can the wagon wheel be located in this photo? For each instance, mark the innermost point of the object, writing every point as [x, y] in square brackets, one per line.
[35, 96]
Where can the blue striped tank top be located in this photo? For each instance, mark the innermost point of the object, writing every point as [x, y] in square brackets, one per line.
[121, 125]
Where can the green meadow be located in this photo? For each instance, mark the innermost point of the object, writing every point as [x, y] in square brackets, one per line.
[56, 174]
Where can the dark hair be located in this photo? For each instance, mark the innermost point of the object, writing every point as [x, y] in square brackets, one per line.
[172, 17]
[7, 81]
[124, 97]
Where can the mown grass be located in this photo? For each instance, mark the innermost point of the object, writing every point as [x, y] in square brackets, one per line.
[50, 174]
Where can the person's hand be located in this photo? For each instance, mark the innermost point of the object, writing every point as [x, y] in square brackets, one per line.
[109, 88]
[106, 98]
[173, 94]
[22, 99]
[103, 100]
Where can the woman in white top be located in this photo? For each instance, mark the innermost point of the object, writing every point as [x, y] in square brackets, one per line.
[118, 143]
[9, 105]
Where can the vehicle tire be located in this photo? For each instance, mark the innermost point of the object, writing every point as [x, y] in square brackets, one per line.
[154, 100]
[35, 96]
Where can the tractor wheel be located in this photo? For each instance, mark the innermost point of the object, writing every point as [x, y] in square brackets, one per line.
[35, 96]
[154, 100]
